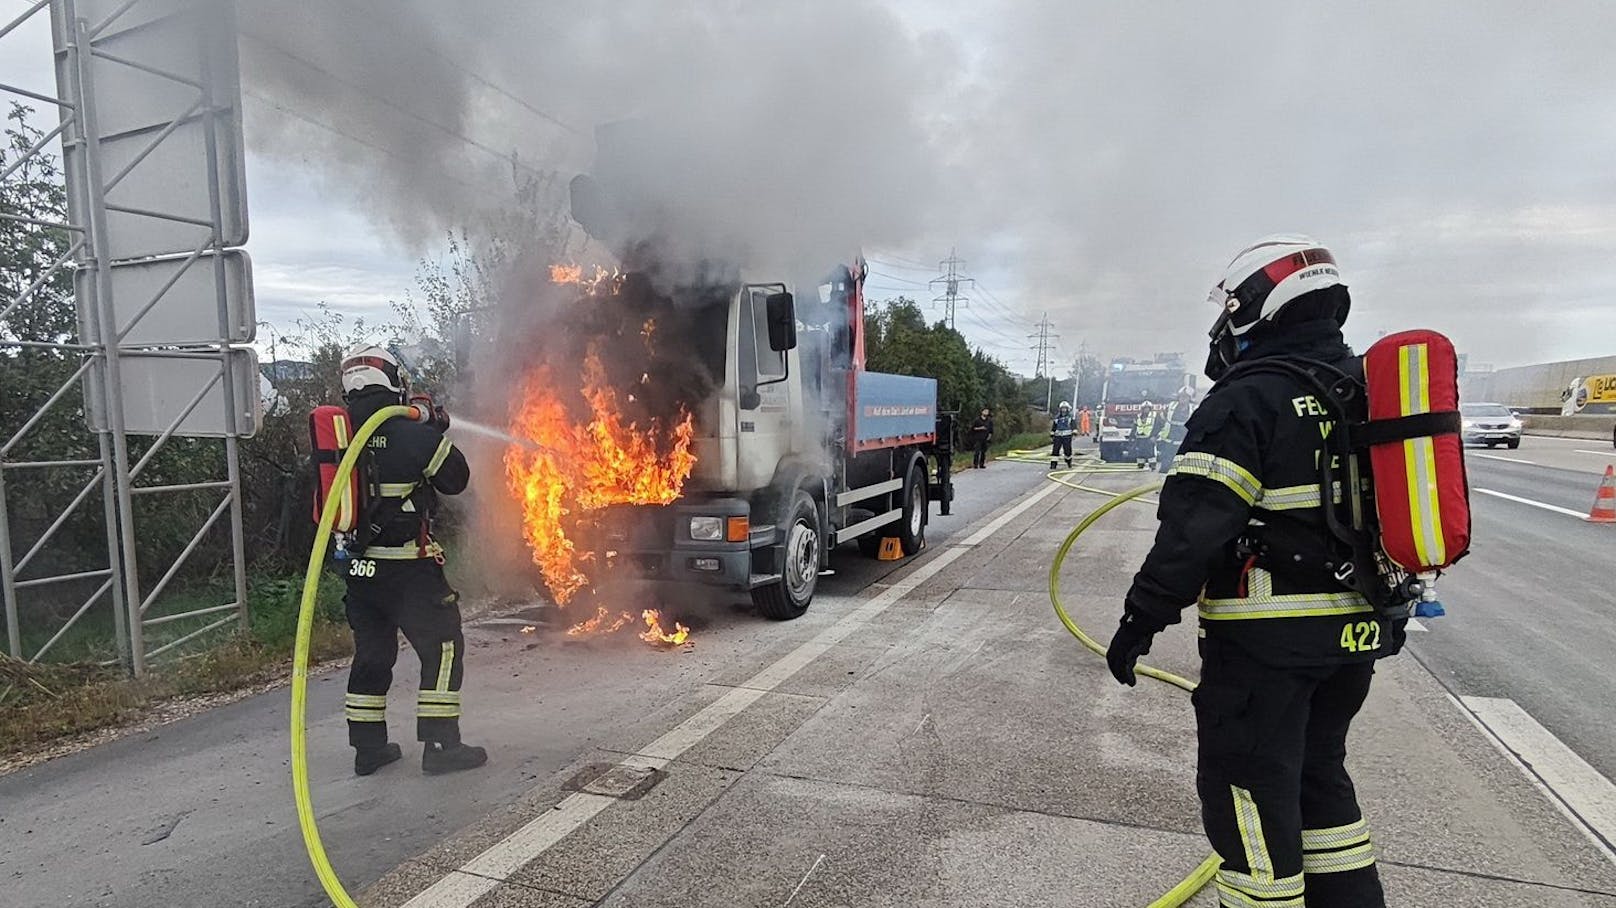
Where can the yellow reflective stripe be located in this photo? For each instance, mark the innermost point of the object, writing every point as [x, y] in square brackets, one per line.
[1230, 897]
[1263, 604]
[1290, 887]
[1355, 858]
[438, 457]
[347, 507]
[364, 715]
[1334, 836]
[1289, 498]
[429, 711]
[397, 489]
[1419, 455]
[445, 665]
[402, 552]
[440, 697]
[1219, 469]
[1249, 820]
[374, 701]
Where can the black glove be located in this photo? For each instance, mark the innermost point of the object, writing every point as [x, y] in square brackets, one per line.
[440, 419]
[1131, 641]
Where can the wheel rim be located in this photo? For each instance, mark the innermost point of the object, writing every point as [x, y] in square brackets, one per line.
[802, 560]
[917, 509]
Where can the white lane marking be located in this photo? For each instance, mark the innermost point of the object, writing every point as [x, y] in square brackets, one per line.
[1580, 792]
[1415, 625]
[1536, 504]
[998, 523]
[1595, 453]
[1530, 463]
[484, 872]
[804, 881]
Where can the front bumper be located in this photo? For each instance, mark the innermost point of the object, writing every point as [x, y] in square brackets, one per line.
[654, 544]
[1478, 436]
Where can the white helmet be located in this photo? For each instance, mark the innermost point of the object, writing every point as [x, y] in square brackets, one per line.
[370, 366]
[1065, 406]
[1263, 278]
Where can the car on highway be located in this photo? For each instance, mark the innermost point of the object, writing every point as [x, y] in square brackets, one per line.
[1490, 424]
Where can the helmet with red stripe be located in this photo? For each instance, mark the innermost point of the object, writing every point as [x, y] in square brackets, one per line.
[1259, 283]
[368, 367]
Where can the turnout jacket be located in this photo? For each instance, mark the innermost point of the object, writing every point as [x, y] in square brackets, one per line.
[1248, 468]
[1062, 427]
[412, 462]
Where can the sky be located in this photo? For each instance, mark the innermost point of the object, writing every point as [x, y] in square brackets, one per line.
[1097, 162]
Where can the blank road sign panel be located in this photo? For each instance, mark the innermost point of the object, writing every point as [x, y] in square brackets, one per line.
[155, 389]
[187, 312]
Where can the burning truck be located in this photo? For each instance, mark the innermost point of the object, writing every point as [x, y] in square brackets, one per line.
[736, 456]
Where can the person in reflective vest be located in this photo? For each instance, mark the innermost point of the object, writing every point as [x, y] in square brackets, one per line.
[1170, 434]
[1287, 649]
[1085, 421]
[1144, 433]
[394, 573]
[1061, 429]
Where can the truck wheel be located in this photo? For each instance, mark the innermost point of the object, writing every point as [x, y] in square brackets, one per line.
[789, 597]
[912, 528]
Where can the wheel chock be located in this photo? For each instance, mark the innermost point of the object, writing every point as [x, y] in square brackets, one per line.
[891, 549]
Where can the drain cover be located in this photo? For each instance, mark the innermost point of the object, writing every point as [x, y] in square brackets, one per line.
[626, 783]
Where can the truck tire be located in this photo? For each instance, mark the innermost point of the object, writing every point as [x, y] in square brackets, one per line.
[789, 597]
[911, 529]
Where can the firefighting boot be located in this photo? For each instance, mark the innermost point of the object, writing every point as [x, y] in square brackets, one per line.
[369, 759]
[1053, 464]
[437, 758]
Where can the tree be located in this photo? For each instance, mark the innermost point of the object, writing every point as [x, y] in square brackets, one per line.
[897, 339]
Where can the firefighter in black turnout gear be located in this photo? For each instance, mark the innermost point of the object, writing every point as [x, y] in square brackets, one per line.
[1061, 430]
[1287, 648]
[395, 575]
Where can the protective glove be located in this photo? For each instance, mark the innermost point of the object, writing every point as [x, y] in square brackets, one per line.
[436, 416]
[440, 419]
[1131, 641]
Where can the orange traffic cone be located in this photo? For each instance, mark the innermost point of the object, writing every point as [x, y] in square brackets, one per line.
[1604, 509]
[892, 548]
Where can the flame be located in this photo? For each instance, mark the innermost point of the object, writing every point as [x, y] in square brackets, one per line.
[591, 283]
[655, 634]
[576, 467]
[594, 624]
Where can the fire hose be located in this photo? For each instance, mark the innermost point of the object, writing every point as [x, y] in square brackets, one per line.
[1203, 874]
[300, 654]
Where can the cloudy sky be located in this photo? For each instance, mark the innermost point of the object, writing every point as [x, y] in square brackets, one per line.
[1096, 161]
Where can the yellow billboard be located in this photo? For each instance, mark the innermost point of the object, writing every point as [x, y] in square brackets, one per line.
[1598, 391]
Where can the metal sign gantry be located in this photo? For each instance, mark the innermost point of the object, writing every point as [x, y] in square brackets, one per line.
[150, 131]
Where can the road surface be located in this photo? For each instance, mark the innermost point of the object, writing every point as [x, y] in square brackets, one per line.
[927, 735]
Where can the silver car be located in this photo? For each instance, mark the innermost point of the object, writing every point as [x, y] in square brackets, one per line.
[1490, 425]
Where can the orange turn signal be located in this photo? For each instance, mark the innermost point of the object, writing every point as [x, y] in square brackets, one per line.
[737, 529]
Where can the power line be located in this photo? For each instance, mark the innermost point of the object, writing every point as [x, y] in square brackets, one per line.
[899, 280]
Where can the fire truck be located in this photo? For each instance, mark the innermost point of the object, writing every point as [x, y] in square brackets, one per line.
[1129, 385]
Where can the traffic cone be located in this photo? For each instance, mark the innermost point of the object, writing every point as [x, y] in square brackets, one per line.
[892, 549]
[1604, 509]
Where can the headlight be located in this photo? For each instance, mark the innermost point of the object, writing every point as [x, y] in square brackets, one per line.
[709, 529]
[1514, 425]
[1469, 424]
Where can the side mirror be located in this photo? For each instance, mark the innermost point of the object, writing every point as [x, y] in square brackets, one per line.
[590, 207]
[782, 316]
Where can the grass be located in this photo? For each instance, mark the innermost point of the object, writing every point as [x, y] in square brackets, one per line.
[53, 700]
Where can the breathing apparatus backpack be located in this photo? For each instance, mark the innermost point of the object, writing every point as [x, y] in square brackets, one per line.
[330, 432]
[1402, 512]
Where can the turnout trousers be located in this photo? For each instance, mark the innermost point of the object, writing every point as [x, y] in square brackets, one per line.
[1060, 446]
[386, 597]
[1276, 800]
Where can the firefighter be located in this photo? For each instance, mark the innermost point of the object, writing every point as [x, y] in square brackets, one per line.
[395, 575]
[1085, 421]
[1170, 434]
[1061, 429]
[1144, 433]
[1287, 651]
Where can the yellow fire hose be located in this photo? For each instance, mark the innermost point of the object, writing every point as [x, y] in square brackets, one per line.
[1203, 874]
[300, 656]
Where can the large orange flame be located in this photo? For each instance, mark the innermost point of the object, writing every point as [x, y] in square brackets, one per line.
[577, 466]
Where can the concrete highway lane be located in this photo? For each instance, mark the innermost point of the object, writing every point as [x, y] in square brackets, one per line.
[1532, 611]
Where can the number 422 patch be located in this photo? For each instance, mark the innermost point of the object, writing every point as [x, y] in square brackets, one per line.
[1360, 636]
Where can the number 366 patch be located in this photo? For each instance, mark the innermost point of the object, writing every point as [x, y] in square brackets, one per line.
[1360, 636]
[361, 567]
